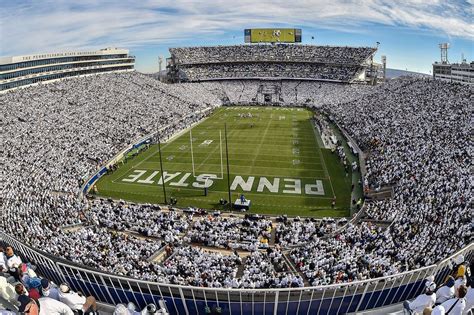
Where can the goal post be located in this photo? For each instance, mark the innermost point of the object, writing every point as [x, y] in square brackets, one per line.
[220, 151]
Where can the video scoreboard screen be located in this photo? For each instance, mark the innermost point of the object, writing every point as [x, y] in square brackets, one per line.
[272, 35]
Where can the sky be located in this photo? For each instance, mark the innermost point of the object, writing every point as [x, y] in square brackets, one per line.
[409, 31]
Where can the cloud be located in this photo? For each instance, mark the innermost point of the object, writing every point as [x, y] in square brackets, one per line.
[50, 25]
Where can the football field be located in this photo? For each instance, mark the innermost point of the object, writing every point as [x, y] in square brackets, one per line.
[275, 160]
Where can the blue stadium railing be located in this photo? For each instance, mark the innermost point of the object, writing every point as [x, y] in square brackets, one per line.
[331, 299]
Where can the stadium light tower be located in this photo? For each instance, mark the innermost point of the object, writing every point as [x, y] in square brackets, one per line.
[160, 63]
[444, 52]
[384, 66]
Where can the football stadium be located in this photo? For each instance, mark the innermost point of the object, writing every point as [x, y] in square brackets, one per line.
[266, 177]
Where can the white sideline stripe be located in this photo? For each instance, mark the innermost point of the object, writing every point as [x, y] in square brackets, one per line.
[281, 155]
[287, 144]
[241, 166]
[272, 161]
[275, 195]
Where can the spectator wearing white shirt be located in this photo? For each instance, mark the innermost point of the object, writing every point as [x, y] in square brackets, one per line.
[13, 261]
[422, 301]
[461, 280]
[456, 305]
[438, 310]
[469, 298]
[49, 306]
[446, 291]
[75, 300]
[3, 260]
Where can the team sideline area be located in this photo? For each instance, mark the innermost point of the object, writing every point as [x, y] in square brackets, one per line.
[275, 160]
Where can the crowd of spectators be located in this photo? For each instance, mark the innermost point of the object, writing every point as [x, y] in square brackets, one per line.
[144, 219]
[267, 269]
[197, 267]
[235, 233]
[256, 70]
[291, 92]
[299, 231]
[271, 61]
[416, 133]
[413, 130]
[280, 52]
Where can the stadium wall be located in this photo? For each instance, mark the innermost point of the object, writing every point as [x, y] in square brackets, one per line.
[331, 299]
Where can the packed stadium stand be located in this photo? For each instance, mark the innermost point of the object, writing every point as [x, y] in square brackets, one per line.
[57, 137]
[325, 63]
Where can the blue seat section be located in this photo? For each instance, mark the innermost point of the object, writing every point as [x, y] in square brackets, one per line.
[246, 307]
[51, 274]
[178, 303]
[325, 307]
[227, 308]
[418, 288]
[371, 300]
[303, 310]
[336, 302]
[282, 308]
[201, 306]
[293, 307]
[396, 295]
[149, 299]
[191, 306]
[99, 291]
[350, 303]
[269, 308]
[408, 292]
[313, 306]
[364, 302]
[382, 296]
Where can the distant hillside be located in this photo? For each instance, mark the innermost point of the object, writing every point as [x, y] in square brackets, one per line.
[393, 73]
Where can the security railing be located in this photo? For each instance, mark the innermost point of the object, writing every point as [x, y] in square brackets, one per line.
[331, 299]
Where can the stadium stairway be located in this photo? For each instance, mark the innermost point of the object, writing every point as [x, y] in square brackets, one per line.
[272, 237]
[240, 270]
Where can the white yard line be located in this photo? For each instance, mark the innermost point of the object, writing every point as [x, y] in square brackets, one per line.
[260, 144]
[275, 195]
[323, 162]
[263, 161]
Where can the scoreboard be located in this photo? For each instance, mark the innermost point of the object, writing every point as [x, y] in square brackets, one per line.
[272, 35]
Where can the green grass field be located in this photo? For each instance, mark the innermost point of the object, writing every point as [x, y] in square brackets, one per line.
[276, 153]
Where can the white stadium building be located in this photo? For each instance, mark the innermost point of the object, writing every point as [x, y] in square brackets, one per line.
[26, 70]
